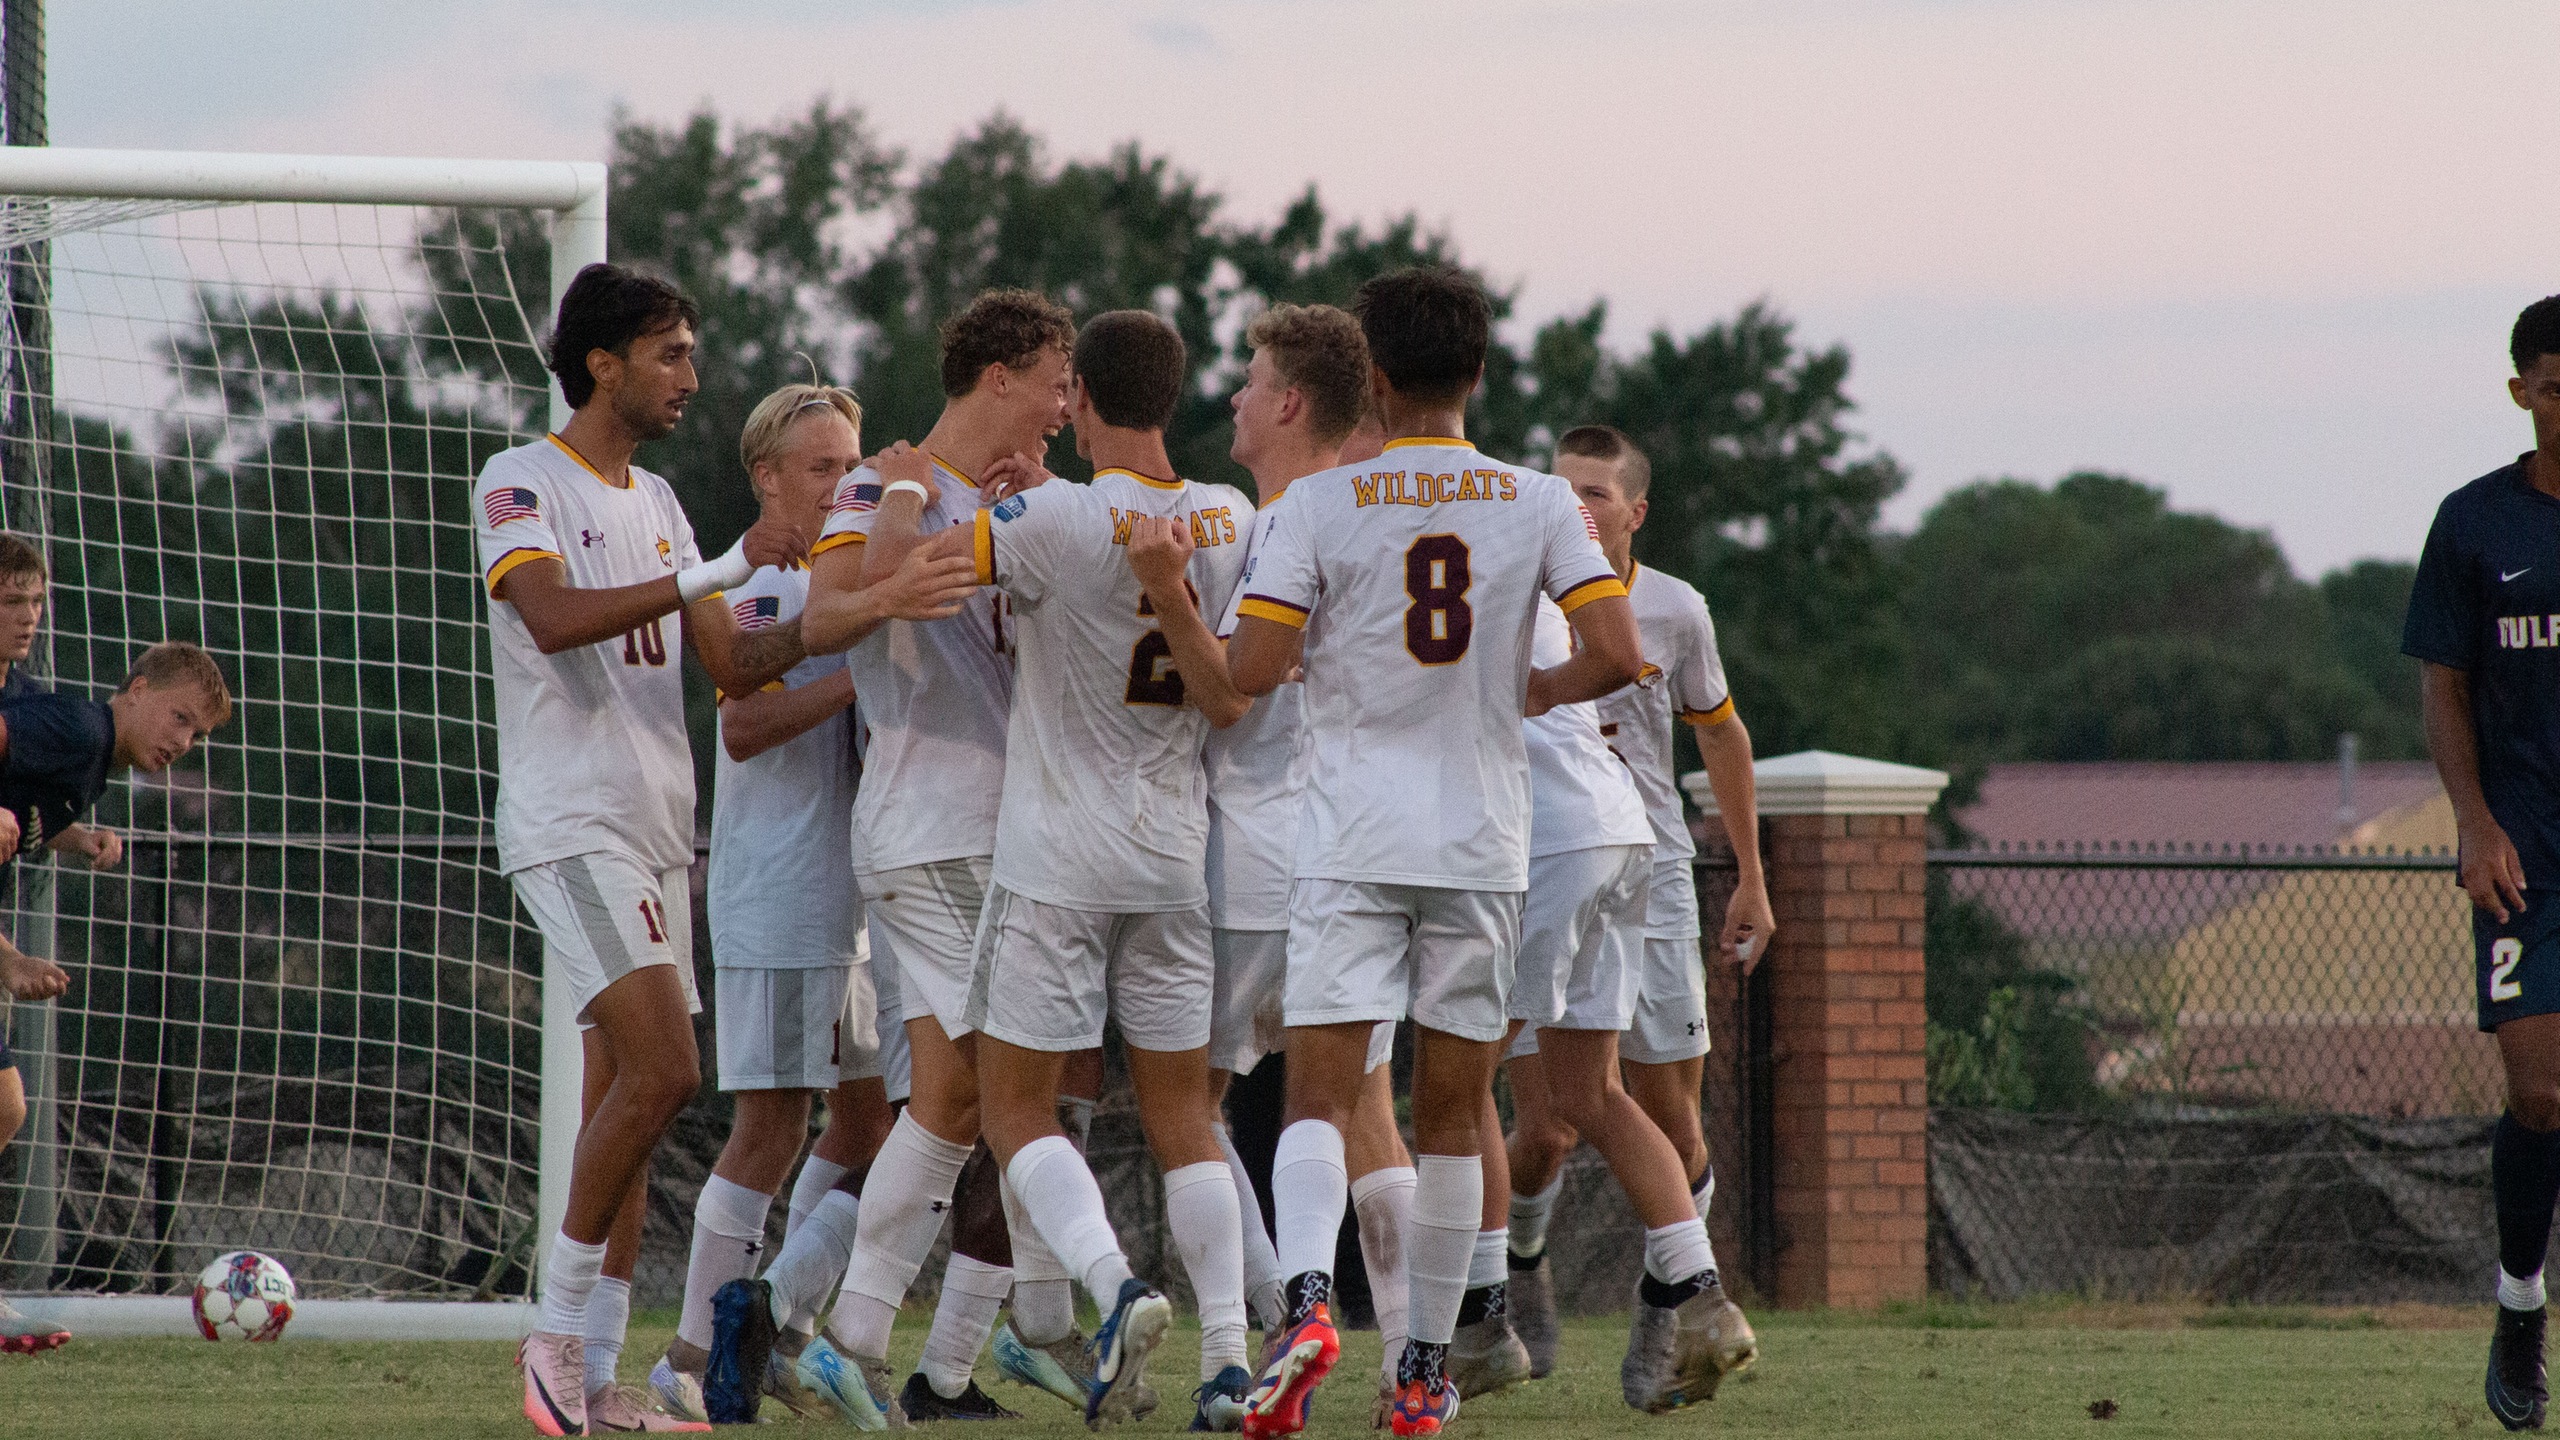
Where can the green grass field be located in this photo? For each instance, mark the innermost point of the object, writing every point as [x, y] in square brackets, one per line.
[1939, 1370]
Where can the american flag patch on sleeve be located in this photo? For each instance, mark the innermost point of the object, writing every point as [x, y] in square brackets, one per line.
[511, 502]
[1588, 524]
[759, 612]
[855, 496]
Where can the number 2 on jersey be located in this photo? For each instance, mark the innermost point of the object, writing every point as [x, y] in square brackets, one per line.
[1152, 678]
[1439, 622]
[2504, 956]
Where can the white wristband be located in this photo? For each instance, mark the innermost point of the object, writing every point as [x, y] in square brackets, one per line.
[906, 487]
[713, 576]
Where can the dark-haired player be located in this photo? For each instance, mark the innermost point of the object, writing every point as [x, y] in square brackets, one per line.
[586, 555]
[57, 753]
[934, 697]
[1407, 588]
[2485, 619]
[24, 581]
[1097, 906]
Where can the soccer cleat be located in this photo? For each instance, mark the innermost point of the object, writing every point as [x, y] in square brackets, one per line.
[677, 1392]
[555, 1382]
[1059, 1366]
[2516, 1387]
[782, 1382]
[1120, 1349]
[742, 1335]
[922, 1402]
[1424, 1406]
[1533, 1313]
[1218, 1405]
[857, 1385]
[1677, 1356]
[1305, 1355]
[627, 1407]
[23, 1334]
[1486, 1358]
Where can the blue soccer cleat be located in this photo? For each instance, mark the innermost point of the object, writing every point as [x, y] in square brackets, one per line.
[1120, 1349]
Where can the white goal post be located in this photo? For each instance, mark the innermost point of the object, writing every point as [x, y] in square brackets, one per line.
[245, 398]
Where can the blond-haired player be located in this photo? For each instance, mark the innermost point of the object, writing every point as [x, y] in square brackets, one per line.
[1666, 1044]
[1407, 588]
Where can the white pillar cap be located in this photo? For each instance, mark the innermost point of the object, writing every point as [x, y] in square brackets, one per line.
[1822, 782]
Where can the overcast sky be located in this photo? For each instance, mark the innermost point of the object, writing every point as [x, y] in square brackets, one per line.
[2264, 254]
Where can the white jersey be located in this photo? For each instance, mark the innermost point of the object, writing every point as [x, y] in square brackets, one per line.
[933, 694]
[1680, 644]
[781, 885]
[1416, 577]
[592, 753]
[1580, 795]
[1256, 771]
[1105, 803]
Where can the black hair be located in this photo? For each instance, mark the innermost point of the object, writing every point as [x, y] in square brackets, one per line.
[1427, 328]
[1131, 363]
[2537, 333]
[606, 308]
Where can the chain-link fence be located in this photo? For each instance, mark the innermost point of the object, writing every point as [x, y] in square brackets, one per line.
[2233, 1073]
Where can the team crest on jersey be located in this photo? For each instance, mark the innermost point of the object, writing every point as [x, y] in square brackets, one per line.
[511, 502]
[759, 613]
[855, 496]
[1010, 507]
[664, 549]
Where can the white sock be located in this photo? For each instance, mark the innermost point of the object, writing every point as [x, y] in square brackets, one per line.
[1384, 1201]
[811, 1267]
[568, 1278]
[1448, 1201]
[2517, 1294]
[972, 1292]
[1200, 1205]
[1065, 1205]
[728, 1231]
[608, 1319]
[1705, 1194]
[1044, 1294]
[903, 1202]
[1529, 1217]
[1075, 1116]
[1678, 1251]
[1308, 1190]
[817, 1178]
[1488, 1265]
[1261, 1263]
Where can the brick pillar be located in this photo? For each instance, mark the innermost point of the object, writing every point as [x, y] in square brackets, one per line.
[1849, 1113]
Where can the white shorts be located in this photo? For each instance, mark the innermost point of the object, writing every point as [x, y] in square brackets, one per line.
[604, 916]
[924, 921]
[1382, 952]
[1244, 1015]
[1582, 937]
[1671, 904]
[1671, 1006]
[790, 1029]
[1048, 976]
[896, 1064]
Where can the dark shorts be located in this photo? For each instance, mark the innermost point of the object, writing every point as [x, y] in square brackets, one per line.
[2517, 964]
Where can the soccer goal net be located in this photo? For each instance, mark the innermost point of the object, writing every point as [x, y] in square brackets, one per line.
[245, 398]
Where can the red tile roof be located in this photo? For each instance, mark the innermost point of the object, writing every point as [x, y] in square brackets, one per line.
[2215, 803]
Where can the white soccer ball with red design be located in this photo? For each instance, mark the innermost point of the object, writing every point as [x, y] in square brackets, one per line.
[244, 1296]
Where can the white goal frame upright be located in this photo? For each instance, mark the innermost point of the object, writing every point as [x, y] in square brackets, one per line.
[573, 192]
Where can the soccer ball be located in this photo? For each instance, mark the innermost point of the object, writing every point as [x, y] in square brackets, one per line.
[243, 1296]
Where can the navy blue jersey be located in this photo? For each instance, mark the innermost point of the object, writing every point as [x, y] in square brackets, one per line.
[61, 750]
[19, 685]
[2487, 602]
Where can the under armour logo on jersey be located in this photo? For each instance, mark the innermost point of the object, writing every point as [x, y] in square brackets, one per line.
[1697, 1027]
[939, 1206]
[591, 539]
[761, 612]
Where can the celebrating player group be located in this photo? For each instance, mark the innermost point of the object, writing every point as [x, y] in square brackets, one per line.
[1006, 760]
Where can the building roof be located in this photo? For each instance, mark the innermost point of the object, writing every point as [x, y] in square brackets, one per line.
[2200, 803]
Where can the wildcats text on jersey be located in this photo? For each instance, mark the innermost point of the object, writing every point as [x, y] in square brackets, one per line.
[1425, 489]
[1214, 526]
